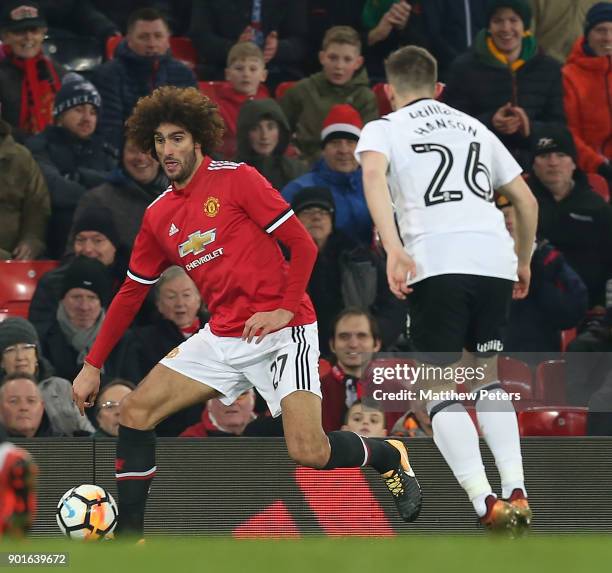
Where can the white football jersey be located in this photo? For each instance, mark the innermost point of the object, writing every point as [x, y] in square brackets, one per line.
[443, 168]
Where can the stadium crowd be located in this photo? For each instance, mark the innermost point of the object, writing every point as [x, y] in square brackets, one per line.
[295, 82]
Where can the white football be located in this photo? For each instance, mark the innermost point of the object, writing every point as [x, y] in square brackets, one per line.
[87, 512]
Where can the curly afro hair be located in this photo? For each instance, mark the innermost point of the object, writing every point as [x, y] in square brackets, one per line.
[186, 107]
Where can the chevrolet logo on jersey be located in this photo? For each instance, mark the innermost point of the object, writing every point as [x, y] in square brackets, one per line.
[197, 242]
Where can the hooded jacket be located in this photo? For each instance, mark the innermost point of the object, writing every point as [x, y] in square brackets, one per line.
[230, 102]
[479, 84]
[587, 85]
[24, 198]
[307, 103]
[128, 77]
[276, 168]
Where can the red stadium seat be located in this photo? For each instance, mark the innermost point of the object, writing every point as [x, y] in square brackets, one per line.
[111, 45]
[282, 88]
[550, 382]
[18, 283]
[562, 421]
[515, 376]
[599, 185]
[566, 337]
[384, 105]
[181, 47]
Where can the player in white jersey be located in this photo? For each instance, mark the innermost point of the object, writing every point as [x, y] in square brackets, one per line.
[435, 170]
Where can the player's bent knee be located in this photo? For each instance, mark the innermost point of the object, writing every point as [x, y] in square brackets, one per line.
[310, 453]
[134, 415]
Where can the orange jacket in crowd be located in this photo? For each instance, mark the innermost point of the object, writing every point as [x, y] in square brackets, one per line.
[587, 84]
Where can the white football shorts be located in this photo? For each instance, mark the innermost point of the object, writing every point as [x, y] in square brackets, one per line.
[283, 362]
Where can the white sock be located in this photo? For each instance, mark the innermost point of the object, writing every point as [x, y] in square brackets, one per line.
[499, 427]
[457, 439]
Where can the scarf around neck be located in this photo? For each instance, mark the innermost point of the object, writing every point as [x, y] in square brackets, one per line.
[81, 339]
[38, 88]
[487, 50]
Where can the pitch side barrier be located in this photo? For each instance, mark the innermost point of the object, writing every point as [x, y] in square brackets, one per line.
[248, 487]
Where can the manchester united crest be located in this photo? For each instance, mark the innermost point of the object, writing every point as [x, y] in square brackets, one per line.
[211, 207]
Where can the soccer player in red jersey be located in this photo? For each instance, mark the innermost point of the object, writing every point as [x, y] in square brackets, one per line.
[221, 222]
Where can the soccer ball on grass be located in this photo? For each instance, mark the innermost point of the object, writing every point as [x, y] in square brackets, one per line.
[87, 512]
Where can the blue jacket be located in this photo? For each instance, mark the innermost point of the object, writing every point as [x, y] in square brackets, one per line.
[127, 77]
[557, 300]
[352, 215]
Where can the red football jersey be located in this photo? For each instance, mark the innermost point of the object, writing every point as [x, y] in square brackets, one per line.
[218, 229]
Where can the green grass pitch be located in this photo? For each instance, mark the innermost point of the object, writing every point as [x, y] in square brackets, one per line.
[422, 554]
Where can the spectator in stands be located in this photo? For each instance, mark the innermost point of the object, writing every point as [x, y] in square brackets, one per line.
[355, 338]
[390, 24]
[119, 11]
[221, 420]
[339, 171]
[278, 27]
[245, 74]
[346, 274]
[451, 27]
[28, 79]
[95, 236]
[86, 292]
[587, 83]
[558, 24]
[78, 17]
[342, 80]
[20, 353]
[126, 193]
[325, 14]
[263, 138]
[557, 299]
[589, 359]
[22, 410]
[142, 62]
[108, 407]
[24, 201]
[504, 82]
[571, 216]
[366, 418]
[415, 423]
[71, 156]
[180, 315]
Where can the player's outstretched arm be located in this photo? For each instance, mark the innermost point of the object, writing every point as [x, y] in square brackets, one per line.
[120, 314]
[85, 387]
[526, 209]
[400, 266]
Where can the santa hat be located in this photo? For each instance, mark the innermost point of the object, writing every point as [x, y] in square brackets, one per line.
[342, 122]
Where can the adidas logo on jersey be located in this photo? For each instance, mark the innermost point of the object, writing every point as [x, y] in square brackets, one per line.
[173, 230]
